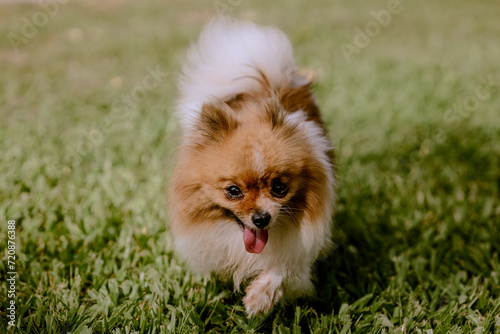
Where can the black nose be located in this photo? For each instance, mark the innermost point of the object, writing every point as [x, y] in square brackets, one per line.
[261, 219]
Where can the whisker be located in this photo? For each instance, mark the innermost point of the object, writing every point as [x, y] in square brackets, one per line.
[289, 212]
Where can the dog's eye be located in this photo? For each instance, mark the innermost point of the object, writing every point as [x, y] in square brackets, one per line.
[234, 192]
[278, 188]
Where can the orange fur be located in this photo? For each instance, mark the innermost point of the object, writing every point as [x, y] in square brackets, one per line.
[259, 136]
[222, 151]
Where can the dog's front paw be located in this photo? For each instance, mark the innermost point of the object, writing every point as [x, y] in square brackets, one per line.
[265, 291]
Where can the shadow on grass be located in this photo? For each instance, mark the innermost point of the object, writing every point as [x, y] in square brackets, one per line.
[410, 211]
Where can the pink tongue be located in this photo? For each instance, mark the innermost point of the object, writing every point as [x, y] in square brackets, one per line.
[255, 241]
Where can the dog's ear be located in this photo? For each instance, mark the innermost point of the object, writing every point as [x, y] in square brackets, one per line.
[216, 121]
[238, 101]
[300, 98]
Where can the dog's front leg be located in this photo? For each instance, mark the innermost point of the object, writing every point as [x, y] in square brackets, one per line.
[265, 291]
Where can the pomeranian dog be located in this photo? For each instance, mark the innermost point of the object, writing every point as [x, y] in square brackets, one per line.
[252, 194]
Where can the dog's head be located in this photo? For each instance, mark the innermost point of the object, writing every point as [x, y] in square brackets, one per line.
[255, 164]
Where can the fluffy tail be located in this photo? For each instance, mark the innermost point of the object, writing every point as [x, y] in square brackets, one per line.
[232, 57]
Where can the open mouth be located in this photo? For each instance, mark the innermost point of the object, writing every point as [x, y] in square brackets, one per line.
[255, 240]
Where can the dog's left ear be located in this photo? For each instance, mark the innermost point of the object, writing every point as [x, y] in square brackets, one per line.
[300, 98]
[216, 121]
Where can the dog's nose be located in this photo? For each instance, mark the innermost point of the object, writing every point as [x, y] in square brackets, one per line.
[261, 219]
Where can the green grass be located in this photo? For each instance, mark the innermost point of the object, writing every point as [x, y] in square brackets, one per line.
[418, 213]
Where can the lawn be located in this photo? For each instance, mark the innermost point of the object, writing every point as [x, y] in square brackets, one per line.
[410, 93]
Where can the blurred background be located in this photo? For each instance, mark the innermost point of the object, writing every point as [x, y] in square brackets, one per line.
[410, 94]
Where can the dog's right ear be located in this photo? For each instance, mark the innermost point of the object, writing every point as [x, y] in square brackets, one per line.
[216, 121]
